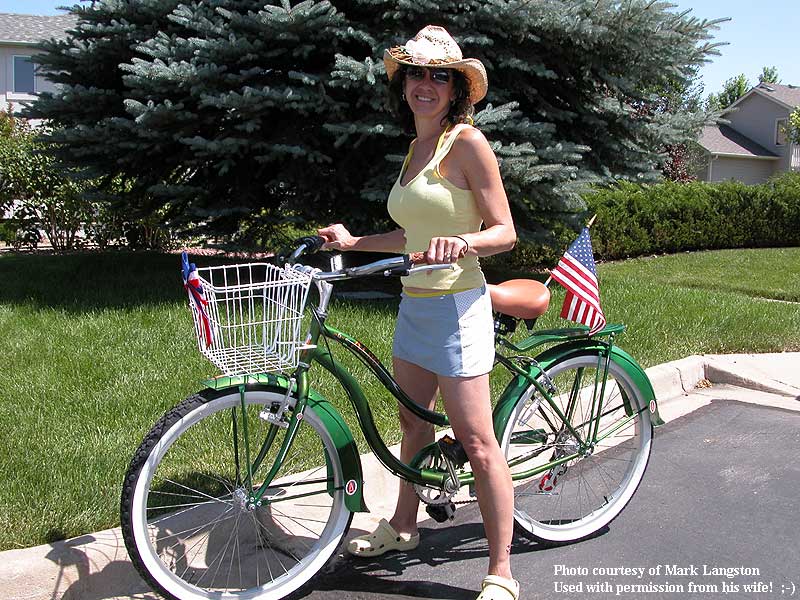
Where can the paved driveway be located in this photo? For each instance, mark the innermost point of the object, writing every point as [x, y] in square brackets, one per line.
[722, 490]
[715, 517]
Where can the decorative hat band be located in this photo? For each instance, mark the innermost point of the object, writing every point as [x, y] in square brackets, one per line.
[434, 46]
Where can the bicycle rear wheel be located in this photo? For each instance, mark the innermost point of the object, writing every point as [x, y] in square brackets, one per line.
[576, 498]
[185, 514]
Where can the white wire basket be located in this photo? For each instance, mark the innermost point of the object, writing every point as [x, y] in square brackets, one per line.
[249, 317]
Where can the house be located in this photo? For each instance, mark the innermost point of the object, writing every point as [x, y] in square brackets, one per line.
[20, 36]
[754, 145]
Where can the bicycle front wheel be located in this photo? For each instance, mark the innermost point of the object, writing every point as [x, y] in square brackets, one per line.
[187, 521]
[575, 497]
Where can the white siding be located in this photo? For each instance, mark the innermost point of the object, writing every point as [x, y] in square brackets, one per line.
[746, 170]
[7, 54]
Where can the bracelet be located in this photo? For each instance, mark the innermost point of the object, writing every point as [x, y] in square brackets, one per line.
[465, 241]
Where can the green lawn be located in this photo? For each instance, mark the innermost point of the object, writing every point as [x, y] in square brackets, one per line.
[98, 346]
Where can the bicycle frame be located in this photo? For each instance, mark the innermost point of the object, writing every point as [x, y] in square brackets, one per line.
[527, 371]
[196, 504]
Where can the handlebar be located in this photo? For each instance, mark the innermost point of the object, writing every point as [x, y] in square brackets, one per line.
[305, 245]
[406, 264]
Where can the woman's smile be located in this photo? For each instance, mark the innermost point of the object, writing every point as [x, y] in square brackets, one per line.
[423, 98]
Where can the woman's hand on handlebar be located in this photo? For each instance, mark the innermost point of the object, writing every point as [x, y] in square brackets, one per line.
[337, 237]
[445, 250]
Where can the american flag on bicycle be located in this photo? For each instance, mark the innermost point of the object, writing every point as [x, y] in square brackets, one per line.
[191, 282]
[577, 273]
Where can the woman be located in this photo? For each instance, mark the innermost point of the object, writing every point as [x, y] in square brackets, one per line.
[448, 187]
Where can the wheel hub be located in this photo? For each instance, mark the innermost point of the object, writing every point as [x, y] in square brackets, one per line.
[241, 500]
[567, 444]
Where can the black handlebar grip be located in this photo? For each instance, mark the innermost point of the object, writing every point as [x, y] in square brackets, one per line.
[312, 243]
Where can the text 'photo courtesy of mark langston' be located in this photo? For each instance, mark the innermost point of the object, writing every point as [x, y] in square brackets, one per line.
[688, 580]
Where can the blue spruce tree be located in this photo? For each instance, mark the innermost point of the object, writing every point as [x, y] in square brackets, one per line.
[235, 114]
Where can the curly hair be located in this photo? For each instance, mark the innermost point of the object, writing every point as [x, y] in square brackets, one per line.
[460, 111]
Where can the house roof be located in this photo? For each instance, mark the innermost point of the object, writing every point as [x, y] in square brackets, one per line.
[721, 139]
[787, 96]
[29, 30]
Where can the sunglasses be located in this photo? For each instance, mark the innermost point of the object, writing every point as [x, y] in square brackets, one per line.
[440, 76]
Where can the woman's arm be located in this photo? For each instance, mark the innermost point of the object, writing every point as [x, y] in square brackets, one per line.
[337, 237]
[472, 156]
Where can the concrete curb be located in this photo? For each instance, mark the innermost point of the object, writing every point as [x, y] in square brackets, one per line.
[96, 566]
[735, 369]
[758, 372]
[677, 377]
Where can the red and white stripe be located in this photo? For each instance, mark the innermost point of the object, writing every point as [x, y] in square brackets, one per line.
[581, 281]
[582, 303]
[575, 309]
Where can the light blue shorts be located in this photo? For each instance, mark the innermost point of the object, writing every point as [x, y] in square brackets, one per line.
[451, 334]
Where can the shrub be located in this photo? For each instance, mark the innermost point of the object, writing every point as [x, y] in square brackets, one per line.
[670, 217]
[635, 219]
[34, 192]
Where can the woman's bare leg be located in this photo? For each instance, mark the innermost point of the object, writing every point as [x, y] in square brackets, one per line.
[468, 407]
[422, 387]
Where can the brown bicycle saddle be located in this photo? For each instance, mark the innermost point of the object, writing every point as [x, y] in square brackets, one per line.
[520, 298]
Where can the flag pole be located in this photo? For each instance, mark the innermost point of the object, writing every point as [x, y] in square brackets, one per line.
[588, 225]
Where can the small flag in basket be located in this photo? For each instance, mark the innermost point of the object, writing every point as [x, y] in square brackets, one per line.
[577, 273]
[191, 282]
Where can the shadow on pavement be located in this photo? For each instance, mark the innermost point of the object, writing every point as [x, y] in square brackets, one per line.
[403, 575]
[78, 579]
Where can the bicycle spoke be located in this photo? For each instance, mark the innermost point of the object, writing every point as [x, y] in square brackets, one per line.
[177, 514]
[263, 539]
[202, 494]
[608, 449]
[192, 505]
[296, 522]
[206, 531]
[225, 483]
[220, 556]
[163, 493]
[194, 530]
[286, 552]
[199, 542]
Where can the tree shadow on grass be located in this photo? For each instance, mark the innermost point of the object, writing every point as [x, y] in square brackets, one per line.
[743, 290]
[89, 281]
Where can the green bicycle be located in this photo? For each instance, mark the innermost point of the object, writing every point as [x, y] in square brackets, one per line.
[247, 489]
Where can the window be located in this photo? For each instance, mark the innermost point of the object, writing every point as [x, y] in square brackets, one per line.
[24, 75]
[781, 126]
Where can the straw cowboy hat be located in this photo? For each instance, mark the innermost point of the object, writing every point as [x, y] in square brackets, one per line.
[434, 47]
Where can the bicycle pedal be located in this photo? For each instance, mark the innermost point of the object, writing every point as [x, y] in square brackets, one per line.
[441, 512]
[452, 449]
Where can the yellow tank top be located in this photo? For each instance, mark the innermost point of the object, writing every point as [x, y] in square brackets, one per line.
[430, 206]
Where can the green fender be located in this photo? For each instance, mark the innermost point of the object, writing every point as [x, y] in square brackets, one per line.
[508, 399]
[330, 417]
